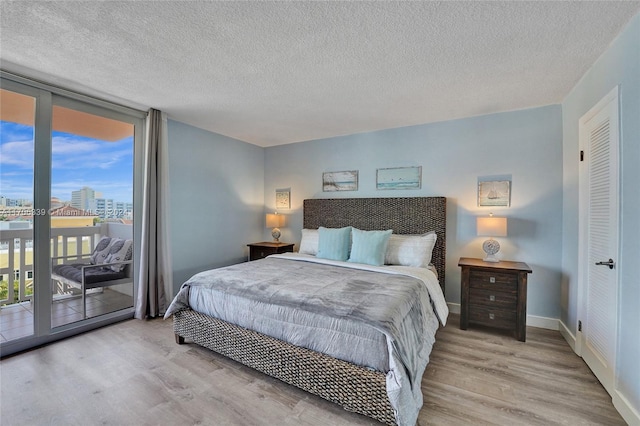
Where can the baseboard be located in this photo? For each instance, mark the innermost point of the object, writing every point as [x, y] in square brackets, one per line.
[568, 336]
[543, 322]
[628, 413]
[454, 308]
[532, 320]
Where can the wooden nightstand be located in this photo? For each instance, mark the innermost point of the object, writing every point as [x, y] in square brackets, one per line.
[494, 294]
[264, 249]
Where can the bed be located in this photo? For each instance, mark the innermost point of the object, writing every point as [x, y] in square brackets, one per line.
[383, 386]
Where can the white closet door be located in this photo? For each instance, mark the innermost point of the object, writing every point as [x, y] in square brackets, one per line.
[599, 185]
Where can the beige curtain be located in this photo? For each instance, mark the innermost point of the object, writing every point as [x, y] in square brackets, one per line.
[155, 286]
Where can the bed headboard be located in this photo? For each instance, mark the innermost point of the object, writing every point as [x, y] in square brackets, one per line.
[410, 215]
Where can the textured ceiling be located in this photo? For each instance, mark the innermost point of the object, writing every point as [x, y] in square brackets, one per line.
[272, 73]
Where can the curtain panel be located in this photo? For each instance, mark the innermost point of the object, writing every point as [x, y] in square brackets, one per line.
[155, 285]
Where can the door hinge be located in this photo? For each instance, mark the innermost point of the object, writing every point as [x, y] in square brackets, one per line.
[581, 155]
[579, 325]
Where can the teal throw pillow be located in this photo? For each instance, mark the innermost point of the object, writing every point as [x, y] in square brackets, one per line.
[334, 243]
[369, 247]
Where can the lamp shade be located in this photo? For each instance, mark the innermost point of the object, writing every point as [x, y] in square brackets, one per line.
[274, 220]
[492, 226]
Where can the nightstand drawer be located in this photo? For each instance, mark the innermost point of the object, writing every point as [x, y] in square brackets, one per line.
[497, 281]
[262, 252]
[492, 298]
[498, 318]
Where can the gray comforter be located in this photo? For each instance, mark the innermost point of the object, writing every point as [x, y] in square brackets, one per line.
[396, 305]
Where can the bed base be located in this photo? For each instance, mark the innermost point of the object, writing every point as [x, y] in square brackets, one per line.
[355, 388]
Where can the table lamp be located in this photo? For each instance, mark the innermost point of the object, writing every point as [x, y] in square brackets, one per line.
[491, 227]
[275, 221]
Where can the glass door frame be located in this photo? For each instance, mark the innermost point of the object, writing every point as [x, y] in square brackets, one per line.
[46, 96]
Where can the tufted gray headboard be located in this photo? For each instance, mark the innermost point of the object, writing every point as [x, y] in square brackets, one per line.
[410, 215]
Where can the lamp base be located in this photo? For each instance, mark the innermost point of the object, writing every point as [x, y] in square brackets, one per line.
[491, 247]
[275, 233]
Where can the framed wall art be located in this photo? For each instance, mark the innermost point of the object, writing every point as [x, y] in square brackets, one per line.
[283, 199]
[340, 181]
[494, 193]
[399, 178]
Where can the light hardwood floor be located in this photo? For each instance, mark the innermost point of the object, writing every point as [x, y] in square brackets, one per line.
[133, 373]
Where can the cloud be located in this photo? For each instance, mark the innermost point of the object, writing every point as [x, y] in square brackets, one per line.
[17, 173]
[71, 145]
[71, 152]
[18, 154]
[17, 189]
[15, 132]
[77, 161]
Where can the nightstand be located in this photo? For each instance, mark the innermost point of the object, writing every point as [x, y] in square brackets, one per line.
[264, 249]
[494, 294]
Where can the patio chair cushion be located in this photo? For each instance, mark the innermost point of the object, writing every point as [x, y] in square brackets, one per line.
[93, 276]
[102, 250]
[120, 251]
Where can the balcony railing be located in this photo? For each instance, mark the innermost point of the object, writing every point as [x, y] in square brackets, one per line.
[16, 254]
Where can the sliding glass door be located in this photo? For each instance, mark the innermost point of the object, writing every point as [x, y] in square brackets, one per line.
[67, 182]
[91, 200]
[17, 135]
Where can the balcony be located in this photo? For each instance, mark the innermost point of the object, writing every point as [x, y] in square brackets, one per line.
[16, 265]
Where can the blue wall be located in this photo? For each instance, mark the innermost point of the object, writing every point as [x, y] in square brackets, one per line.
[216, 196]
[525, 145]
[619, 65]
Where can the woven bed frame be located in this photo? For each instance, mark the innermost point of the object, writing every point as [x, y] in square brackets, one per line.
[353, 387]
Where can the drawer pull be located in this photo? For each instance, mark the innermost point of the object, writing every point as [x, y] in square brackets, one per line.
[491, 316]
[492, 280]
[492, 298]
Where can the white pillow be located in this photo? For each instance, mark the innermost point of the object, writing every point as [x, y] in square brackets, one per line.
[309, 242]
[410, 250]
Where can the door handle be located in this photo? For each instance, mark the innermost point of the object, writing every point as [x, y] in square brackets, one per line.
[610, 263]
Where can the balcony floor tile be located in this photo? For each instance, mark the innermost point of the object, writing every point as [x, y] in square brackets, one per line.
[16, 320]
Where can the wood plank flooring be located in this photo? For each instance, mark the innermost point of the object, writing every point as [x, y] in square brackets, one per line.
[133, 373]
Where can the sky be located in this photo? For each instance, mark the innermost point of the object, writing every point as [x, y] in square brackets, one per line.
[77, 161]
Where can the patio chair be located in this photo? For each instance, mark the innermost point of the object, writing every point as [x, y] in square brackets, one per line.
[109, 264]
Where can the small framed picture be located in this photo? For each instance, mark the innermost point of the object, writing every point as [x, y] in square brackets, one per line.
[494, 193]
[283, 199]
[340, 181]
